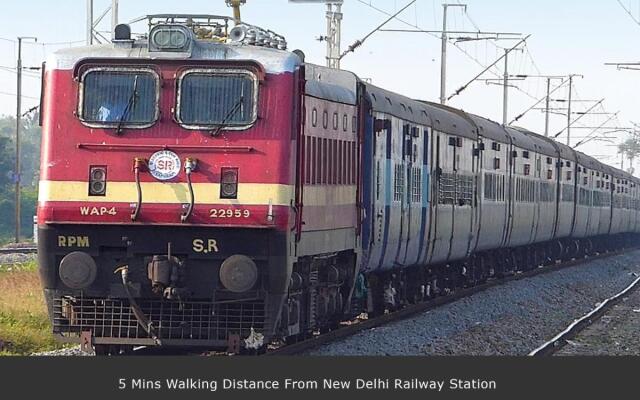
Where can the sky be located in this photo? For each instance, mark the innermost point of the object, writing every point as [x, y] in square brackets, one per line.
[567, 37]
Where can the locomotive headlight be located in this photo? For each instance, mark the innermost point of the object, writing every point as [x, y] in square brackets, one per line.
[169, 38]
[238, 273]
[229, 183]
[97, 181]
[78, 270]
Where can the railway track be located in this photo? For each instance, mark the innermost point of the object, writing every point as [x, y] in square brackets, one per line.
[19, 250]
[355, 327]
[560, 340]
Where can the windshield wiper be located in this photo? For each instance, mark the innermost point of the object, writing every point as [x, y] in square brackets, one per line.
[230, 114]
[129, 107]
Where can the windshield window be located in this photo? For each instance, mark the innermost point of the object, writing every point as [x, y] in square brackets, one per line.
[217, 99]
[115, 97]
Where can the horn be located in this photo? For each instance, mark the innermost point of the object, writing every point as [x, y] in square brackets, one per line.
[238, 34]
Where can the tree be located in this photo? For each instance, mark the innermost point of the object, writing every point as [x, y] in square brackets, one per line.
[630, 149]
[30, 170]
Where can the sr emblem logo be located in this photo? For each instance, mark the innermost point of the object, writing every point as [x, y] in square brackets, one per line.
[164, 165]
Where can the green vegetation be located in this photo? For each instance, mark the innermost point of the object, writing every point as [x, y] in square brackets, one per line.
[24, 324]
[30, 160]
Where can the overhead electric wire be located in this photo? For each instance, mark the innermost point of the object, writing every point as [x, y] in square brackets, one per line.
[636, 20]
[24, 96]
[44, 43]
[359, 42]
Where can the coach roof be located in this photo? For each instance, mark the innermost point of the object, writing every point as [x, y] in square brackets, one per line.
[331, 84]
[490, 130]
[451, 120]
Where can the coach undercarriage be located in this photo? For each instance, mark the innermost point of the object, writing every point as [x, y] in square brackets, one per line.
[394, 289]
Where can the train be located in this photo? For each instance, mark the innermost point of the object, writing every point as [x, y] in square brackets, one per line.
[202, 186]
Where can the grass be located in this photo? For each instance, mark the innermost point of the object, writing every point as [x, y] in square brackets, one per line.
[24, 323]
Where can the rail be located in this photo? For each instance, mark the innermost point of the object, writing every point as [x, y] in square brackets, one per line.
[552, 346]
[19, 250]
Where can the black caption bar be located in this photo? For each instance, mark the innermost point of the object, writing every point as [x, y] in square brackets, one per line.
[300, 377]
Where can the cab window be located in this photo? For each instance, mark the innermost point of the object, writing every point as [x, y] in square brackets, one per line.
[218, 98]
[119, 97]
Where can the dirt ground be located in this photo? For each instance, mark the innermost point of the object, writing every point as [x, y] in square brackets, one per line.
[617, 333]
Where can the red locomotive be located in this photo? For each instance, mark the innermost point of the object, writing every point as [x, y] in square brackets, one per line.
[170, 160]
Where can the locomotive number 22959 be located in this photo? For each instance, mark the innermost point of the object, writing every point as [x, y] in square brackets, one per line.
[229, 213]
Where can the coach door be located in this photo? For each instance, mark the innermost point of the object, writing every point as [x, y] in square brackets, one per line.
[381, 191]
[410, 221]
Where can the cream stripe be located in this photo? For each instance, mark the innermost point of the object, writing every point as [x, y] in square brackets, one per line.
[166, 193]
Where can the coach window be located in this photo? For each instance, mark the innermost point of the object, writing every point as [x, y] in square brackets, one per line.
[568, 175]
[217, 98]
[353, 124]
[119, 98]
[314, 118]
[325, 119]
[345, 122]
[335, 121]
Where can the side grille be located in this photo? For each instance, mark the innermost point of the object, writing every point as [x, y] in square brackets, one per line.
[113, 318]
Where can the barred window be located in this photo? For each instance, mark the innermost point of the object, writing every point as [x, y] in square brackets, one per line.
[112, 97]
[494, 187]
[378, 180]
[568, 193]
[584, 198]
[490, 186]
[416, 188]
[525, 191]
[465, 190]
[547, 192]
[217, 97]
[446, 189]
[398, 187]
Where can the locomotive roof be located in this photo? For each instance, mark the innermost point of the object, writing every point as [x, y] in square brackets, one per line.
[274, 61]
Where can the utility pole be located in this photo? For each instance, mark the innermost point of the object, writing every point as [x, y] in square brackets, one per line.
[89, 22]
[93, 35]
[334, 30]
[443, 57]
[569, 111]
[114, 16]
[546, 108]
[334, 33]
[18, 126]
[505, 96]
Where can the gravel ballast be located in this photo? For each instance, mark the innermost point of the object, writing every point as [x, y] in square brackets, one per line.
[509, 319]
